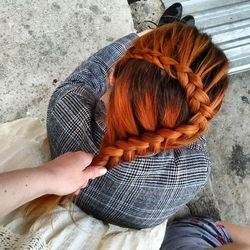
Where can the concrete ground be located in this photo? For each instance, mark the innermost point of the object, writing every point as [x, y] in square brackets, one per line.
[41, 44]
[228, 141]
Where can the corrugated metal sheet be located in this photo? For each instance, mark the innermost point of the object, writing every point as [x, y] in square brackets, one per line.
[228, 21]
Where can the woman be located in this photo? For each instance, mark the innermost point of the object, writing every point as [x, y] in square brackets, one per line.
[140, 105]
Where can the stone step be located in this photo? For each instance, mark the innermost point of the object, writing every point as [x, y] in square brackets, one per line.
[228, 21]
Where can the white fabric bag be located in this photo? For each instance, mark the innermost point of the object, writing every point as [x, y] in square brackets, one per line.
[23, 143]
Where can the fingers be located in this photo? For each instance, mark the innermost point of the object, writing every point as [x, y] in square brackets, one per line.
[84, 158]
[92, 172]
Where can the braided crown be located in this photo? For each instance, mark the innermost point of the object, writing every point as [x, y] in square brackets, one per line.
[201, 110]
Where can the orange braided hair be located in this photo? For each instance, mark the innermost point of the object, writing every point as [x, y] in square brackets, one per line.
[168, 86]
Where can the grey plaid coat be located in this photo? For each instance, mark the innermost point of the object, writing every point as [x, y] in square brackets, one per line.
[140, 194]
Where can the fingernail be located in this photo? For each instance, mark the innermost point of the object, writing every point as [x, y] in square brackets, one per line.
[102, 170]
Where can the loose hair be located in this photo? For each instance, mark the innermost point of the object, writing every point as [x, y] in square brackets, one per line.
[168, 86]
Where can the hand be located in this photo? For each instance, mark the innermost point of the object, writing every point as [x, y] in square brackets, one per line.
[70, 172]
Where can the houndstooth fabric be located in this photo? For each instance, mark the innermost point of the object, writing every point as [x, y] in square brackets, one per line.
[139, 194]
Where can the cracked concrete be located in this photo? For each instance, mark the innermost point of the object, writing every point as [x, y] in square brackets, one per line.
[228, 141]
[42, 43]
[145, 12]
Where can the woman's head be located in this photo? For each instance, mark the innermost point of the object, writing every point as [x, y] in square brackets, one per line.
[167, 88]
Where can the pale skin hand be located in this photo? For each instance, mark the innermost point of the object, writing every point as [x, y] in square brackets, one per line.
[65, 175]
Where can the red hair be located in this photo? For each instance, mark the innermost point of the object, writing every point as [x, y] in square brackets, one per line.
[168, 86]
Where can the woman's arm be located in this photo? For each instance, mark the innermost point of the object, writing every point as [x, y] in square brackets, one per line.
[64, 175]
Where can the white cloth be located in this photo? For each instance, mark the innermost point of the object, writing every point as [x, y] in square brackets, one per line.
[23, 144]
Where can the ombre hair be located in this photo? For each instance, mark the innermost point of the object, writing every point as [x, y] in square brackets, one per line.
[167, 87]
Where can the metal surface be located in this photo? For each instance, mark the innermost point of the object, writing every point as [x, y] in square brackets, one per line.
[228, 21]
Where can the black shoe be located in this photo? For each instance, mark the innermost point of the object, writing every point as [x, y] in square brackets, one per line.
[189, 20]
[171, 14]
[132, 1]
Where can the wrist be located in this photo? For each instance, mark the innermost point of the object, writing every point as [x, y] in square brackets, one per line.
[47, 179]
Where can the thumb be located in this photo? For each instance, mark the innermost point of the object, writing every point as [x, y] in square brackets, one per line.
[92, 172]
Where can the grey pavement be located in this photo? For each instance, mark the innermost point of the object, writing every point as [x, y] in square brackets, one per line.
[228, 140]
[43, 41]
